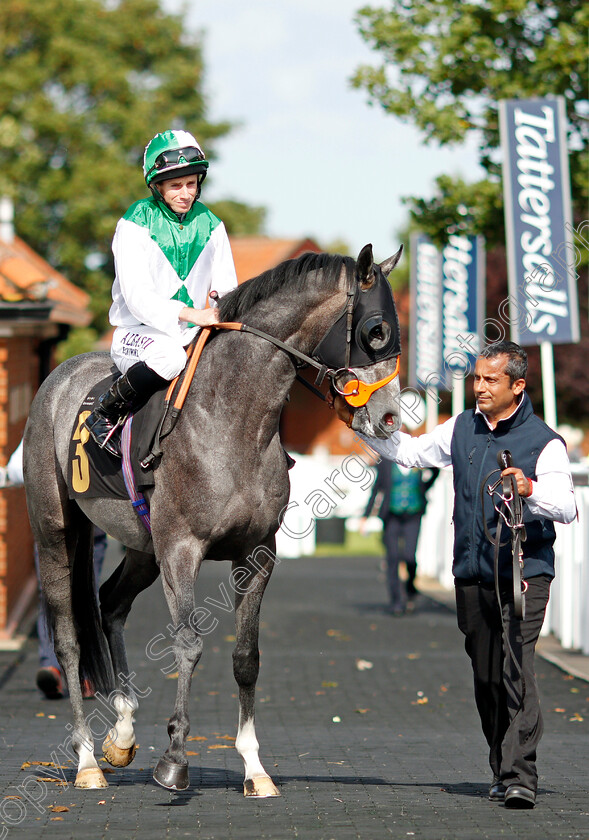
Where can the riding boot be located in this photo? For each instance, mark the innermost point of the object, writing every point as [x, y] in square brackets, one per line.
[127, 394]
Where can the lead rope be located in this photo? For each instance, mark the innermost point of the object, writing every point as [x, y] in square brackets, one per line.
[509, 512]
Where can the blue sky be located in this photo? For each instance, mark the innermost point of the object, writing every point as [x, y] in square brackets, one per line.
[309, 148]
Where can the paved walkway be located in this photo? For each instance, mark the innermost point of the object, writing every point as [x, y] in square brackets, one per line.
[366, 722]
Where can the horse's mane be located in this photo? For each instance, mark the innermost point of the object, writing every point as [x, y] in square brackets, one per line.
[292, 275]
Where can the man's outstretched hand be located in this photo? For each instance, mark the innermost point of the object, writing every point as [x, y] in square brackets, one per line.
[341, 408]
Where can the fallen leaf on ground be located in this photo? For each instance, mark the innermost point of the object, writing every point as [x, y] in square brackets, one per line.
[226, 737]
[339, 635]
[56, 819]
[220, 747]
[59, 808]
[192, 752]
[329, 684]
[173, 676]
[42, 764]
[361, 711]
[196, 738]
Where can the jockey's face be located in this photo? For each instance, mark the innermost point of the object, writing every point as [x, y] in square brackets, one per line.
[179, 193]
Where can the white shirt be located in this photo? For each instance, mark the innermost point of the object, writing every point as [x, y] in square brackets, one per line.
[146, 280]
[552, 495]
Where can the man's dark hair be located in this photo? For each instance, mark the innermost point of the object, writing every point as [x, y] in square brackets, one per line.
[517, 366]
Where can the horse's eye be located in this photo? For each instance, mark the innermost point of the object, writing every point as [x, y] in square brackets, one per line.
[374, 333]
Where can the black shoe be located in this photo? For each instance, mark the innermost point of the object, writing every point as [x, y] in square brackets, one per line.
[105, 432]
[517, 796]
[497, 791]
[50, 682]
[105, 422]
[127, 394]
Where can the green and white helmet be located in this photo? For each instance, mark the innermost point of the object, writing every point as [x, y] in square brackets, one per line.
[172, 153]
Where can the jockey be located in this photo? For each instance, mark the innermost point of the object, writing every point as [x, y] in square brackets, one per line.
[170, 251]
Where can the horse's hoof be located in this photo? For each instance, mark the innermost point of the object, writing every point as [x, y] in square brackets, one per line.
[260, 786]
[90, 778]
[170, 775]
[117, 756]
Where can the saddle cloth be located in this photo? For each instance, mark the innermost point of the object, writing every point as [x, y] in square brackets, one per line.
[92, 472]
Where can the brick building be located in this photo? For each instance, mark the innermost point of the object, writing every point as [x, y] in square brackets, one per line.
[37, 308]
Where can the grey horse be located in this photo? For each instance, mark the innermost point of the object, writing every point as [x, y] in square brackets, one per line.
[219, 492]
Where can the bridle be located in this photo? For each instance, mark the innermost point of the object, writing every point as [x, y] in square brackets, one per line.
[343, 379]
[508, 504]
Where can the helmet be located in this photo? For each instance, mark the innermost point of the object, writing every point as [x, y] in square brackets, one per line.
[173, 153]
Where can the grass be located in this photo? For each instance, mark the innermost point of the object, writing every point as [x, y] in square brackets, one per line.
[355, 545]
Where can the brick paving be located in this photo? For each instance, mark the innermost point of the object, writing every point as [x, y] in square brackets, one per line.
[388, 751]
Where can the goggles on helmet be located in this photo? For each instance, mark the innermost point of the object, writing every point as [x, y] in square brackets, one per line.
[175, 157]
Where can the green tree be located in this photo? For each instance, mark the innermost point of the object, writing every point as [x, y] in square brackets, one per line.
[445, 66]
[239, 219]
[84, 84]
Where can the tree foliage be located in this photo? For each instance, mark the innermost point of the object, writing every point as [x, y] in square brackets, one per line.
[445, 66]
[84, 85]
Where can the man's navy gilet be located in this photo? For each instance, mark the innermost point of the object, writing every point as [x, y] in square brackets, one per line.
[474, 455]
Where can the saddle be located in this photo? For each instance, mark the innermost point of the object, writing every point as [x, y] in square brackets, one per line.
[92, 472]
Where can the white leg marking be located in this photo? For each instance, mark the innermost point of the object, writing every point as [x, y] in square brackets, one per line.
[257, 782]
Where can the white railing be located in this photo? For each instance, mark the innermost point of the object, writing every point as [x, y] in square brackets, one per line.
[567, 616]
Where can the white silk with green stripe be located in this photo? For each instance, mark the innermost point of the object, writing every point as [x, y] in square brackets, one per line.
[163, 264]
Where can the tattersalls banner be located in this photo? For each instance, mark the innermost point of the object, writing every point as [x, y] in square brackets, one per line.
[463, 291]
[425, 344]
[543, 303]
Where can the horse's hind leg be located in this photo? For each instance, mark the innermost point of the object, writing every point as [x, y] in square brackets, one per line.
[57, 551]
[135, 573]
[246, 665]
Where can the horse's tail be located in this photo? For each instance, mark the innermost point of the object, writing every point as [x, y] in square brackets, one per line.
[95, 662]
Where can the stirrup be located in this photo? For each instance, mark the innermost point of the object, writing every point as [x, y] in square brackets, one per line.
[105, 441]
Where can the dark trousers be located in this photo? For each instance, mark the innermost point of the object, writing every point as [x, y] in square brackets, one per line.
[506, 692]
[400, 533]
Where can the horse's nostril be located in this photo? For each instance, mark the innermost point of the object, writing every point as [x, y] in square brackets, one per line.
[390, 420]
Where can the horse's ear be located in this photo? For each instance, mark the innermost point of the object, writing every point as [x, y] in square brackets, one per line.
[365, 267]
[388, 265]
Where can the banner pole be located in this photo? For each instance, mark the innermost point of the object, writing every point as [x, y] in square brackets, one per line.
[548, 383]
[458, 394]
[431, 403]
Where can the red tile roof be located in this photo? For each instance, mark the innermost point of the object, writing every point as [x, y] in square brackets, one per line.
[27, 277]
[255, 254]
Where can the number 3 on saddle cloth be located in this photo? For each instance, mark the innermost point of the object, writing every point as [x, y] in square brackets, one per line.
[93, 473]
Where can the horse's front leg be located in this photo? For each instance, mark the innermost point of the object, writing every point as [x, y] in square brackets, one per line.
[250, 579]
[135, 573]
[179, 572]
